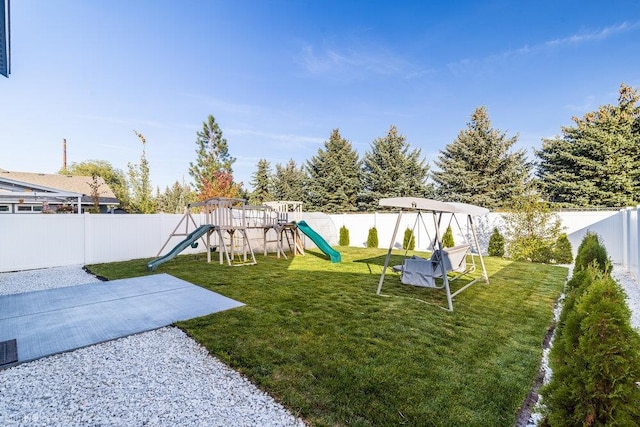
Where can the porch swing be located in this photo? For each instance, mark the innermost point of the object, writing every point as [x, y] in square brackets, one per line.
[423, 272]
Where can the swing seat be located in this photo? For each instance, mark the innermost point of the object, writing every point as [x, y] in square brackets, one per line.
[455, 259]
[418, 271]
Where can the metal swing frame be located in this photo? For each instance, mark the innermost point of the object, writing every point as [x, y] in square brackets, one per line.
[437, 209]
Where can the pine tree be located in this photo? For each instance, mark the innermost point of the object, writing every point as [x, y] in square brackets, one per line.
[141, 191]
[334, 176]
[479, 168]
[289, 182]
[392, 169]
[597, 161]
[212, 172]
[175, 198]
[261, 184]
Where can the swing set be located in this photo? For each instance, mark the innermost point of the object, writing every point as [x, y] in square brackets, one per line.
[423, 272]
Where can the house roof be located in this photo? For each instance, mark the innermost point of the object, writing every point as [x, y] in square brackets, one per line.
[64, 183]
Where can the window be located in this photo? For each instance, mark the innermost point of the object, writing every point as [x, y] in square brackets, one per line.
[29, 208]
[5, 209]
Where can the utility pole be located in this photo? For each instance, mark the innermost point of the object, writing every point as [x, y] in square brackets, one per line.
[64, 155]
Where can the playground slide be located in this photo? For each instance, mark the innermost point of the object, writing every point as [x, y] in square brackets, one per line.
[191, 238]
[319, 241]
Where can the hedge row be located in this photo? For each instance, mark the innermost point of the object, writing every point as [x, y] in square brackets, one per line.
[595, 358]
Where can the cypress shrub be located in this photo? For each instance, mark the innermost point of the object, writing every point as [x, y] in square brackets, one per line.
[562, 251]
[588, 239]
[409, 241]
[344, 236]
[496, 243]
[590, 250]
[372, 238]
[447, 239]
[596, 383]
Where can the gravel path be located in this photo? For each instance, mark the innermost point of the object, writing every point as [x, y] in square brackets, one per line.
[157, 378]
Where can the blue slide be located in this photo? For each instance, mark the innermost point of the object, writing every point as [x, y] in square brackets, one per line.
[191, 238]
[319, 241]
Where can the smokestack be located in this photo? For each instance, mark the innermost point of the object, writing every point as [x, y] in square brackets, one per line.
[64, 154]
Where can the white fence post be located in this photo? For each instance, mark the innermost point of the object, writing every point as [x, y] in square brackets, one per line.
[625, 237]
[633, 244]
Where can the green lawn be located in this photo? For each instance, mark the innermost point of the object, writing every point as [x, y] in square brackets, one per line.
[317, 337]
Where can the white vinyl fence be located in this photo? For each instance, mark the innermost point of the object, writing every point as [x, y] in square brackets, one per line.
[618, 230]
[39, 241]
[30, 241]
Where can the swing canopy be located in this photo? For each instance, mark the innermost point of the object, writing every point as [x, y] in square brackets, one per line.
[421, 271]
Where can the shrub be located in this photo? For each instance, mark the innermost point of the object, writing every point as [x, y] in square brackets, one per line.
[409, 241]
[531, 230]
[588, 239]
[562, 251]
[447, 239]
[530, 248]
[344, 236]
[541, 253]
[372, 238]
[496, 243]
[564, 346]
[595, 383]
[591, 250]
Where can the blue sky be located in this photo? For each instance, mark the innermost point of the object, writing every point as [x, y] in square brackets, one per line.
[280, 75]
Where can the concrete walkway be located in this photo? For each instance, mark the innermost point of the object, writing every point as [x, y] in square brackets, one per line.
[63, 319]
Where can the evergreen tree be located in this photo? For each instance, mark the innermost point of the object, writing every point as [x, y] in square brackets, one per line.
[409, 240]
[175, 198]
[261, 183]
[334, 176]
[289, 182]
[392, 169]
[372, 238]
[115, 178]
[478, 168]
[212, 172]
[595, 362]
[597, 161]
[562, 252]
[140, 184]
[447, 238]
[496, 243]
[344, 236]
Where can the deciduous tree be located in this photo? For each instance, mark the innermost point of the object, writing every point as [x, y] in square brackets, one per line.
[115, 178]
[140, 184]
[531, 229]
